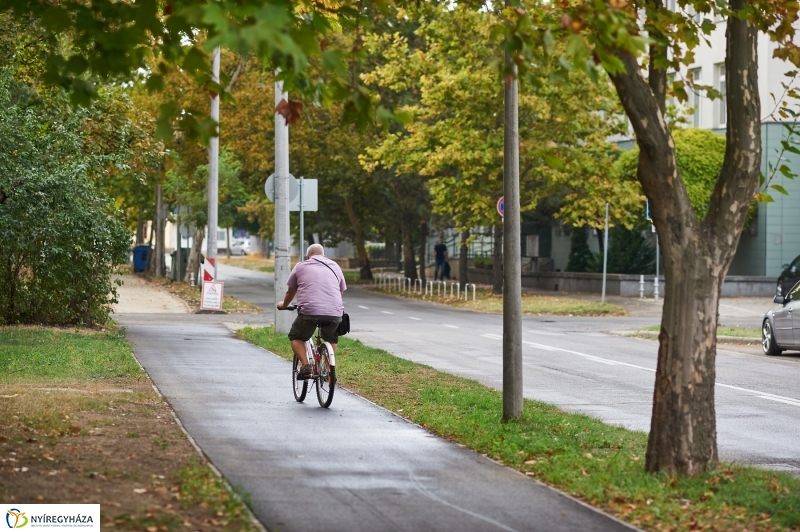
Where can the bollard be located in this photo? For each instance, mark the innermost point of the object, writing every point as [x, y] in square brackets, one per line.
[192, 281]
[408, 281]
[641, 287]
[474, 288]
[655, 288]
[458, 290]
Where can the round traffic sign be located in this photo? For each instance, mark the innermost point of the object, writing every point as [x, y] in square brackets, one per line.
[501, 206]
[269, 187]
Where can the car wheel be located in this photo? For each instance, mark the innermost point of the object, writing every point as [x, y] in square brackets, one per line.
[768, 340]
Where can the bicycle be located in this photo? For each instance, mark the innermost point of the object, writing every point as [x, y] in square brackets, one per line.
[323, 369]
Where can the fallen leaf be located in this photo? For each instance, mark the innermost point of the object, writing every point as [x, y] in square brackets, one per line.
[139, 490]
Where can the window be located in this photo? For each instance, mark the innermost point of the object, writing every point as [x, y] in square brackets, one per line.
[695, 98]
[722, 108]
[221, 235]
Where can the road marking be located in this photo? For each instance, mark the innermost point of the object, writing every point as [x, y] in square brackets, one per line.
[362, 306]
[451, 326]
[413, 318]
[760, 395]
[764, 395]
[492, 336]
[422, 489]
[543, 333]
[387, 312]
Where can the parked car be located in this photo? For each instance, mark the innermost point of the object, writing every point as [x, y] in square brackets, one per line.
[240, 247]
[788, 277]
[780, 329]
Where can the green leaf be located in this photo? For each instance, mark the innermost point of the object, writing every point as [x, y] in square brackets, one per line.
[404, 117]
[195, 60]
[553, 162]
[154, 83]
[786, 171]
[164, 122]
[779, 189]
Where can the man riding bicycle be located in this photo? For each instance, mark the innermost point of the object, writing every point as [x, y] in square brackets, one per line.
[319, 284]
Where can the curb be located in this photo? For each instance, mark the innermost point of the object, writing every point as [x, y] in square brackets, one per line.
[720, 338]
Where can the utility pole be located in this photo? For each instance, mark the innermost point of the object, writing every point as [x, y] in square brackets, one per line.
[283, 319]
[512, 268]
[301, 243]
[605, 256]
[213, 170]
[159, 231]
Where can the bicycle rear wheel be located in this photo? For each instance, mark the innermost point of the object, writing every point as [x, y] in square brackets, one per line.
[326, 381]
[300, 387]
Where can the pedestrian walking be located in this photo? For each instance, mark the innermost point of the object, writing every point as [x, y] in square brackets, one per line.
[440, 256]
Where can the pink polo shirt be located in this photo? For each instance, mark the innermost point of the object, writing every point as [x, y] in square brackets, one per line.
[319, 290]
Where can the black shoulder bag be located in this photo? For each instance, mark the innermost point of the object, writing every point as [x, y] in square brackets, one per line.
[344, 325]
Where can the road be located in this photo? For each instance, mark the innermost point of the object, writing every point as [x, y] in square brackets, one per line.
[577, 364]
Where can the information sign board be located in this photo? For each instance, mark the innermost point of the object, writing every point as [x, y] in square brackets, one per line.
[211, 298]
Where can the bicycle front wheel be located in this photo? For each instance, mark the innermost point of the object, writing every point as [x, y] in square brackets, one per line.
[300, 386]
[326, 381]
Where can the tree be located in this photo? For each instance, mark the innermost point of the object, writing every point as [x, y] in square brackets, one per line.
[60, 243]
[448, 72]
[187, 188]
[697, 250]
[108, 42]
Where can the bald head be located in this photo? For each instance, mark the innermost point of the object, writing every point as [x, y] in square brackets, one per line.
[315, 249]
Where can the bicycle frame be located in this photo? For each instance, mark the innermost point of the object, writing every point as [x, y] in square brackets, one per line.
[313, 355]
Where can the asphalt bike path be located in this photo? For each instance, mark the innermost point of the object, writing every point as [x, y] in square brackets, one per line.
[352, 467]
[575, 363]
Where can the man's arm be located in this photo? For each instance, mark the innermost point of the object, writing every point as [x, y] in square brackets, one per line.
[290, 293]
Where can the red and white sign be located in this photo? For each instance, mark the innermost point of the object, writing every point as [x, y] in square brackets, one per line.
[208, 269]
[501, 206]
[211, 298]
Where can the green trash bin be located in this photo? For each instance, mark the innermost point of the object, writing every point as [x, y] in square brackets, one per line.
[179, 270]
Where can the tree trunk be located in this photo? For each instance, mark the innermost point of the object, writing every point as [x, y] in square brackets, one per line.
[423, 241]
[228, 241]
[462, 261]
[139, 227]
[409, 261]
[497, 260]
[365, 272]
[193, 264]
[696, 253]
[151, 256]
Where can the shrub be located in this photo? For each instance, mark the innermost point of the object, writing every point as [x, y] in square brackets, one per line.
[58, 243]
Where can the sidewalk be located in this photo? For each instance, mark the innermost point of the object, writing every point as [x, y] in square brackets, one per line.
[353, 467]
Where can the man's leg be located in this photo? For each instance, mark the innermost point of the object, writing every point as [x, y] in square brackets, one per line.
[299, 348]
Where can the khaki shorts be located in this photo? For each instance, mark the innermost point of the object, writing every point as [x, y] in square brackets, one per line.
[304, 326]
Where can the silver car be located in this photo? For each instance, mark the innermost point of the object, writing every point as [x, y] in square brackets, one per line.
[780, 330]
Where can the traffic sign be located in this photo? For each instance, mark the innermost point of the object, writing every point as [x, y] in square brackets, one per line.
[269, 187]
[501, 206]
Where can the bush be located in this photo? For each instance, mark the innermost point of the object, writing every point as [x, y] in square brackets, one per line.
[59, 244]
[580, 257]
[628, 252]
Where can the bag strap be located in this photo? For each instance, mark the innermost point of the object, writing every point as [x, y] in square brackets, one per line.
[331, 269]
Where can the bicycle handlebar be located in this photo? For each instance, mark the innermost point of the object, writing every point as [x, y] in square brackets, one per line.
[290, 307]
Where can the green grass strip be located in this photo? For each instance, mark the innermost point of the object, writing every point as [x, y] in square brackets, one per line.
[600, 463]
[533, 304]
[37, 354]
[739, 332]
